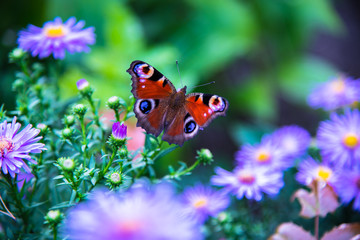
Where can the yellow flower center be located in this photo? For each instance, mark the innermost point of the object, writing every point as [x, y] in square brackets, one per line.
[5, 144]
[200, 203]
[55, 31]
[324, 173]
[263, 156]
[350, 140]
[338, 86]
[246, 177]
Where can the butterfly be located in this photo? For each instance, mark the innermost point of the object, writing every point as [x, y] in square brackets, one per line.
[159, 107]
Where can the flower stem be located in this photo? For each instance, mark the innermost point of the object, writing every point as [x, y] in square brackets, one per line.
[55, 232]
[109, 163]
[84, 142]
[189, 169]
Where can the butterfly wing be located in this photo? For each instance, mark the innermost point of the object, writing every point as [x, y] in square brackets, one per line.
[203, 107]
[199, 110]
[152, 91]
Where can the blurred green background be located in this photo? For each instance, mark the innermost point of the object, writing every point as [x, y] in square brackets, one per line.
[265, 56]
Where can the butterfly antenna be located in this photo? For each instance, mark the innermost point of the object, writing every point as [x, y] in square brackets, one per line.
[201, 85]
[177, 65]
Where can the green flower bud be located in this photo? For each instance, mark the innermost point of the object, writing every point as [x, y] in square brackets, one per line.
[66, 164]
[69, 120]
[114, 103]
[54, 217]
[205, 156]
[16, 54]
[123, 152]
[67, 133]
[80, 110]
[114, 179]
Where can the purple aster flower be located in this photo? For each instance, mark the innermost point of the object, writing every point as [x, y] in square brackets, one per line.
[82, 84]
[15, 147]
[141, 213]
[292, 140]
[339, 138]
[203, 201]
[55, 37]
[310, 170]
[119, 130]
[347, 187]
[249, 181]
[336, 93]
[267, 153]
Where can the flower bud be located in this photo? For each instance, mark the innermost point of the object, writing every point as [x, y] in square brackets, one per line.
[53, 217]
[114, 102]
[66, 164]
[118, 136]
[43, 128]
[80, 110]
[204, 156]
[82, 84]
[67, 133]
[123, 153]
[84, 88]
[69, 120]
[16, 54]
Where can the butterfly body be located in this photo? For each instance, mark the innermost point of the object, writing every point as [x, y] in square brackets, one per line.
[159, 107]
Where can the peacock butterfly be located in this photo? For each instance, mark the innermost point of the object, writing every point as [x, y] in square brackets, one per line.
[160, 107]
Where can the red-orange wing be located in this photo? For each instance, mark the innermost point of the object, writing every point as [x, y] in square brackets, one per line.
[149, 83]
[205, 107]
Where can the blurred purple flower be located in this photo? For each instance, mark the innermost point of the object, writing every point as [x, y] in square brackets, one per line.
[203, 201]
[339, 92]
[310, 170]
[147, 214]
[347, 187]
[15, 147]
[267, 154]
[23, 177]
[248, 181]
[81, 84]
[292, 140]
[339, 138]
[55, 37]
[119, 130]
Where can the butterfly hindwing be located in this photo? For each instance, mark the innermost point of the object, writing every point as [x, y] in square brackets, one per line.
[182, 128]
[205, 107]
[150, 114]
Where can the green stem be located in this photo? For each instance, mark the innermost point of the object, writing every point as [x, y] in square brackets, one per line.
[18, 203]
[94, 110]
[189, 169]
[109, 163]
[117, 115]
[83, 131]
[55, 232]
